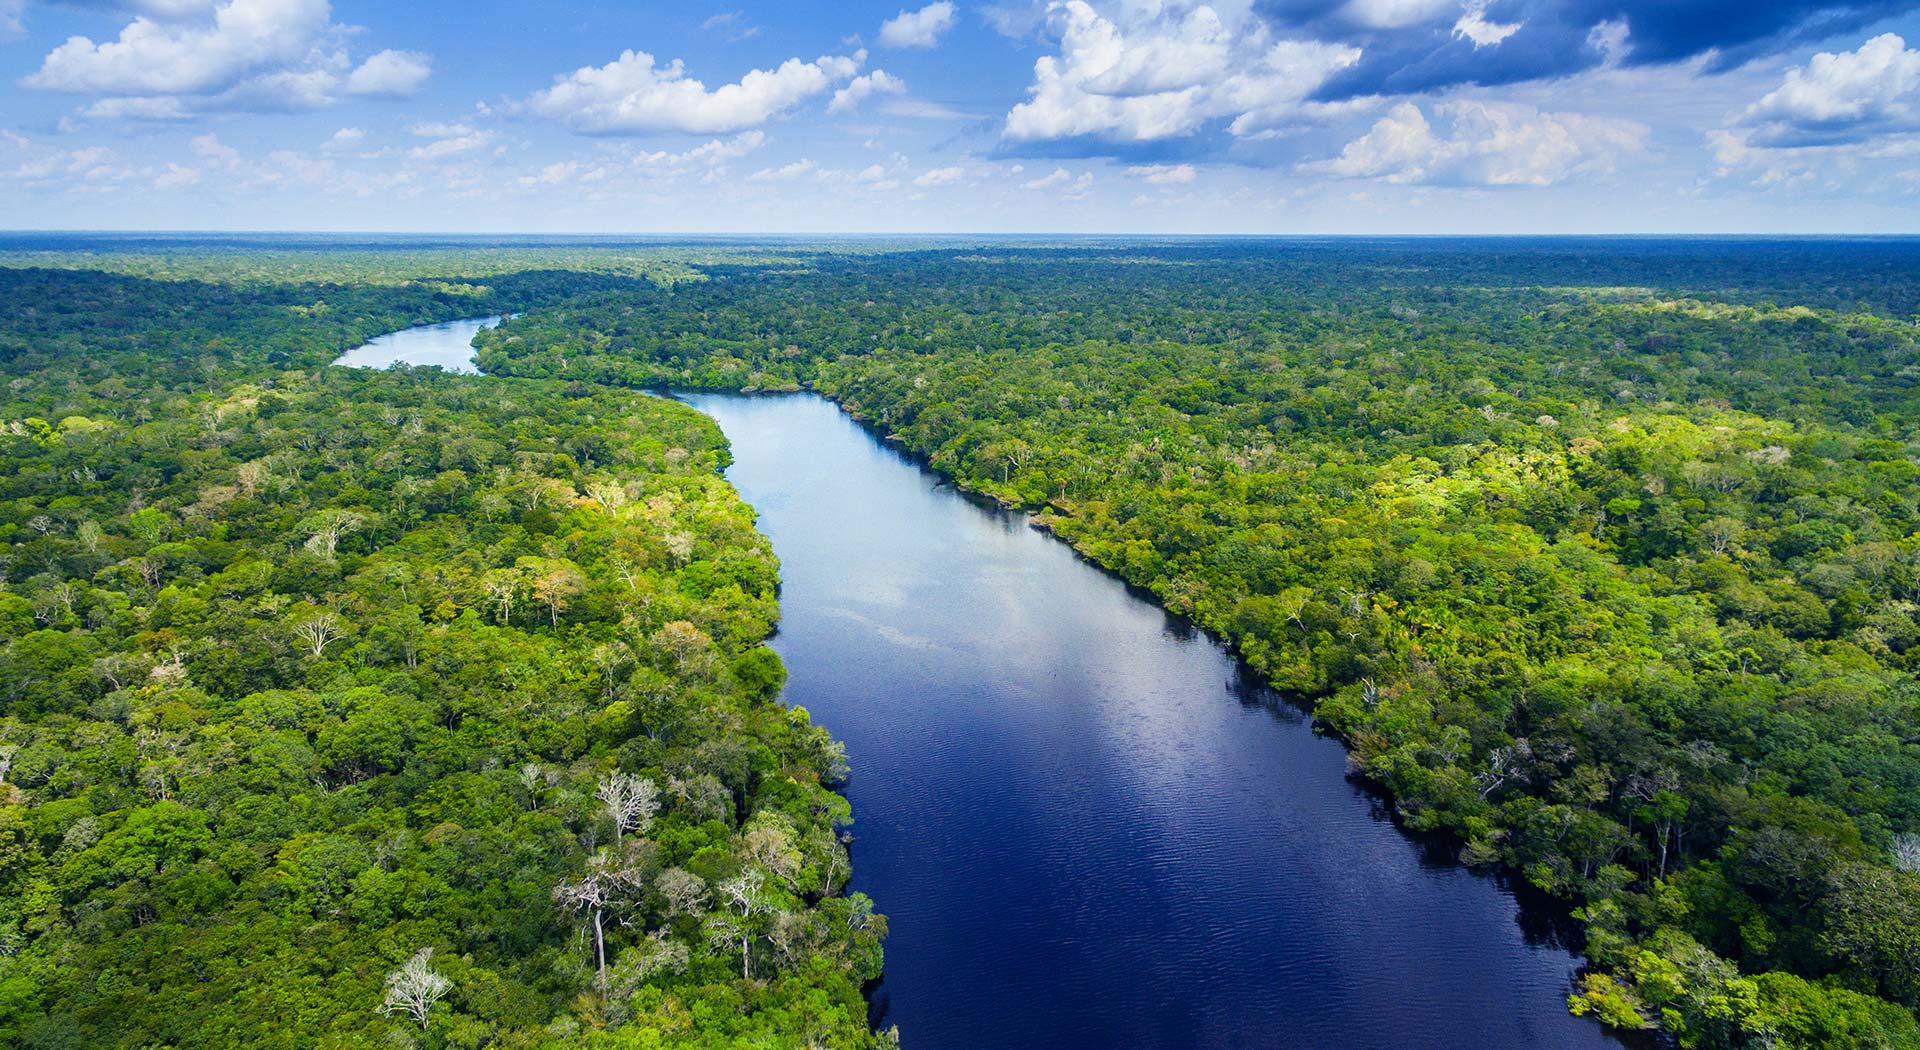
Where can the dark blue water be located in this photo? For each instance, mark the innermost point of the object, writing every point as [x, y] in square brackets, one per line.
[1088, 831]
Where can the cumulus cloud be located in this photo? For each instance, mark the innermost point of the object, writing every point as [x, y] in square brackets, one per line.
[1485, 144]
[1152, 72]
[175, 176]
[940, 177]
[713, 154]
[920, 28]
[635, 95]
[863, 87]
[390, 74]
[152, 57]
[176, 60]
[344, 139]
[1058, 177]
[1164, 174]
[212, 151]
[1840, 98]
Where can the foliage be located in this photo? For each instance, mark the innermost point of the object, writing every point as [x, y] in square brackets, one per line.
[311, 676]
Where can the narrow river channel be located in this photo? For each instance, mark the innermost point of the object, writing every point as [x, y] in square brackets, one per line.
[1089, 831]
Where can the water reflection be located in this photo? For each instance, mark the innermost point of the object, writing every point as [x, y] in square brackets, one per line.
[1089, 828]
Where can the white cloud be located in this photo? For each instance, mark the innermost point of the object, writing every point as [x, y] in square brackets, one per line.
[88, 170]
[440, 129]
[1473, 25]
[1395, 14]
[210, 149]
[861, 88]
[712, 154]
[162, 109]
[562, 172]
[466, 140]
[1158, 71]
[1843, 97]
[1015, 20]
[633, 95]
[176, 60]
[920, 28]
[390, 74]
[1164, 174]
[1485, 144]
[734, 25]
[1059, 177]
[787, 171]
[152, 57]
[939, 177]
[175, 177]
[344, 139]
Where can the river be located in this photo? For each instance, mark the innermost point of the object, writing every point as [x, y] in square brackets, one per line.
[1089, 830]
[448, 345]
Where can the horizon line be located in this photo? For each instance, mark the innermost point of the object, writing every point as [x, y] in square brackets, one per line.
[935, 234]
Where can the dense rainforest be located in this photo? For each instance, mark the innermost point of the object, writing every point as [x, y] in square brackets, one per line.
[338, 706]
[342, 708]
[1603, 556]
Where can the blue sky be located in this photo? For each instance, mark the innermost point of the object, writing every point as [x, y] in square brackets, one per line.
[1118, 116]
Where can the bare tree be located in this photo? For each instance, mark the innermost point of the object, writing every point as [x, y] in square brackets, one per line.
[770, 844]
[685, 892]
[253, 476]
[610, 659]
[611, 495]
[744, 897]
[533, 778]
[1721, 534]
[414, 988]
[503, 585]
[318, 631]
[604, 886]
[1906, 852]
[631, 802]
[328, 527]
[1503, 764]
[556, 587]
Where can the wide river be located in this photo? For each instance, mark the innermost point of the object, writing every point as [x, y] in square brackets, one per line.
[1089, 829]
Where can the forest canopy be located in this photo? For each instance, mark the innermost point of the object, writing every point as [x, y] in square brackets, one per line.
[341, 706]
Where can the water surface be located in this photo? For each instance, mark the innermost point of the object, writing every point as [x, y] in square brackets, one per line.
[1088, 830]
[449, 345]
